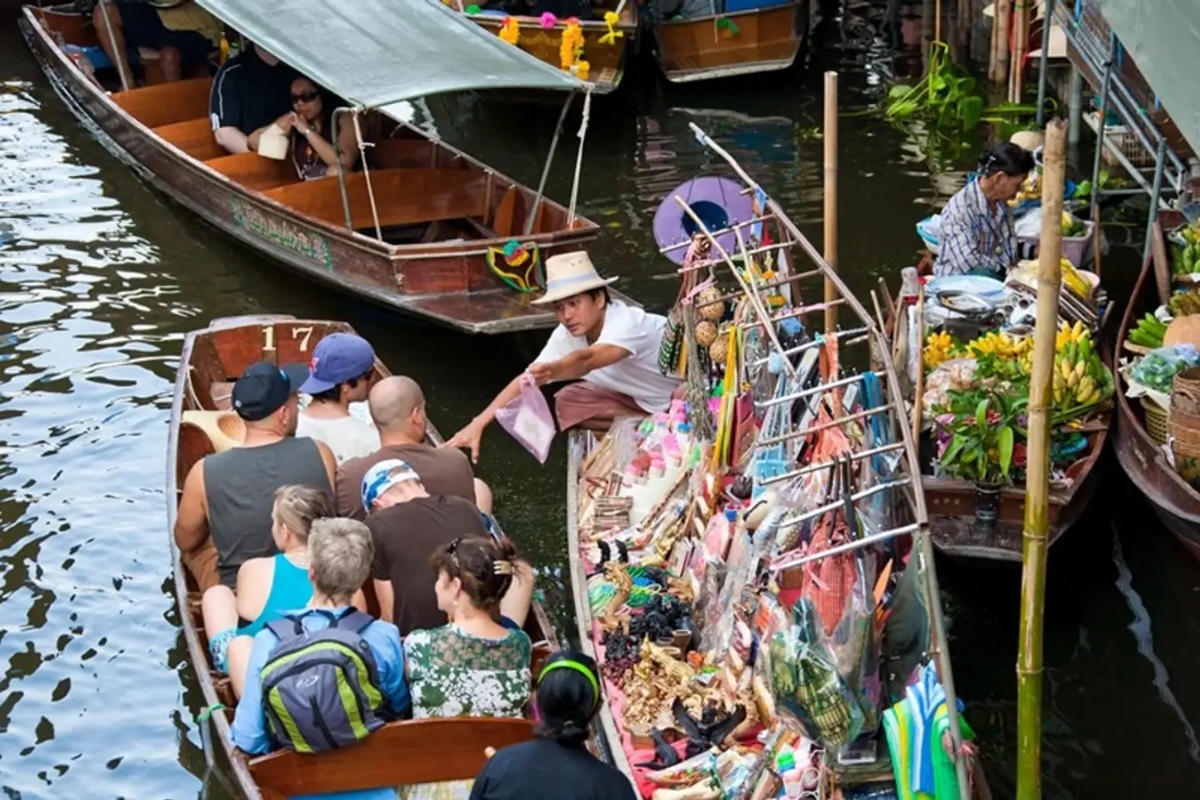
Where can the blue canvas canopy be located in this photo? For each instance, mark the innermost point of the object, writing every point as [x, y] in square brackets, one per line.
[380, 52]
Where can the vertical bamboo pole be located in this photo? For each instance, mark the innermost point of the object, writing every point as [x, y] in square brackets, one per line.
[1043, 64]
[831, 175]
[937, 20]
[919, 394]
[1002, 10]
[1037, 480]
[1020, 37]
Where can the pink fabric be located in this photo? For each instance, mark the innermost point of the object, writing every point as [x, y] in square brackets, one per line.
[582, 401]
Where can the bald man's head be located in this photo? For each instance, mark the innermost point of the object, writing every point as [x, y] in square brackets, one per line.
[397, 406]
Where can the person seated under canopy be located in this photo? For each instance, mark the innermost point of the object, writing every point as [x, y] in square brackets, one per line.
[250, 92]
[310, 131]
[184, 36]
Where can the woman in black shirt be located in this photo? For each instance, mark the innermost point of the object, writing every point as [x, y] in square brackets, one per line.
[309, 129]
[568, 696]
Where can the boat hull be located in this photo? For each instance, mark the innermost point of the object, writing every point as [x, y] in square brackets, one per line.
[449, 284]
[767, 40]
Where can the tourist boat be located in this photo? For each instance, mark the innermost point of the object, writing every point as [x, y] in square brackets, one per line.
[427, 231]
[400, 753]
[1174, 500]
[606, 49]
[676, 571]
[743, 38]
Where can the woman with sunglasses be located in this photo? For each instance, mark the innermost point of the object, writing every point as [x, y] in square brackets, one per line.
[568, 696]
[308, 127]
[475, 666]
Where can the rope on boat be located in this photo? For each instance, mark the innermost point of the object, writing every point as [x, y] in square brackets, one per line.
[587, 113]
[362, 153]
[204, 722]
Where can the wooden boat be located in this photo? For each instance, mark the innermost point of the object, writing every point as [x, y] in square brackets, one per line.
[1174, 500]
[749, 37]
[607, 60]
[676, 529]
[420, 751]
[440, 212]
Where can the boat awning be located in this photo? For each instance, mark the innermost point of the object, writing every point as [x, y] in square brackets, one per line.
[379, 52]
[1163, 39]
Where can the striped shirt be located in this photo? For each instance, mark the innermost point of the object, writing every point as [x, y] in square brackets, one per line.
[976, 235]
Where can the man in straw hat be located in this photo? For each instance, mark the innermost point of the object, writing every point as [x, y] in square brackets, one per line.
[609, 348]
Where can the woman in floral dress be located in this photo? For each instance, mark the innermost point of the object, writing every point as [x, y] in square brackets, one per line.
[475, 666]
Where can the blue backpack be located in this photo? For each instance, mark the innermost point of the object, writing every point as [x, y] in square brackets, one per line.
[321, 688]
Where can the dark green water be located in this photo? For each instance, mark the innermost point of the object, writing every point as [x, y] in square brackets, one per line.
[103, 277]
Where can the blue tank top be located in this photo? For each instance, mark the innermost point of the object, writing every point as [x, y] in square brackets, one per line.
[290, 590]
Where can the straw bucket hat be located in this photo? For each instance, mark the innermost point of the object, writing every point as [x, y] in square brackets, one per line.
[569, 274]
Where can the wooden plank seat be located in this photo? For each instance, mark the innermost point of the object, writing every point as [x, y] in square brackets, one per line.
[167, 103]
[253, 171]
[194, 137]
[400, 753]
[402, 196]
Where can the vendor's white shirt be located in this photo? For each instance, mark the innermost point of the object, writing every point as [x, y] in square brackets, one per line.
[348, 437]
[638, 333]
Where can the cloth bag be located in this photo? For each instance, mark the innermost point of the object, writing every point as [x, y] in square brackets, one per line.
[527, 418]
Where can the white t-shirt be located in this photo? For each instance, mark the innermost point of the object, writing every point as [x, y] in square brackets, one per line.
[348, 437]
[632, 330]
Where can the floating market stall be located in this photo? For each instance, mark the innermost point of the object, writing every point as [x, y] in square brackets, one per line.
[751, 567]
[963, 349]
[1158, 438]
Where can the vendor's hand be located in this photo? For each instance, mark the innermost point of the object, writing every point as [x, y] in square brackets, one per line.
[467, 438]
[544, 373]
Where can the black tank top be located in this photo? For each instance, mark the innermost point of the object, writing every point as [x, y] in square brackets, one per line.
[240, 488]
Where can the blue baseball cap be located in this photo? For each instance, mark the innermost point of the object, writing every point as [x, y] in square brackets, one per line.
[338, 358]
[264, 388]
[384, 476]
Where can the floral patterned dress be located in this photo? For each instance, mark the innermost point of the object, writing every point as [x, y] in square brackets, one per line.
[452, 673]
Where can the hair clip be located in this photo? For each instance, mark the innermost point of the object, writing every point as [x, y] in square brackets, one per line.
[502, 567]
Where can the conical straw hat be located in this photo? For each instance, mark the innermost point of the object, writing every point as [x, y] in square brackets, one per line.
[569, 274]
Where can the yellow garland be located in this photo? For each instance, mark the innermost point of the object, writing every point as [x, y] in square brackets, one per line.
[510, 30]
[611, 19]
[571, 52]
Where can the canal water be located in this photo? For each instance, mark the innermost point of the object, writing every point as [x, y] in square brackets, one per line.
[100, 278]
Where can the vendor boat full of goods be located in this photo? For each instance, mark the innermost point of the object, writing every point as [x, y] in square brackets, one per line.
[964, 350]
[1158, 397]
[751, 567]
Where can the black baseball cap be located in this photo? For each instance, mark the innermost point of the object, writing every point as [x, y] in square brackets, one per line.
[264, 388]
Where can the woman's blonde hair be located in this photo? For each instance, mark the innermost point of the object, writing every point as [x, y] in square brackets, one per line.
[340, 553]
[297, 507]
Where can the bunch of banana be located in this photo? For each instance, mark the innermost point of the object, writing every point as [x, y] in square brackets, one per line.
[940, 347]
[1074, 281]
[1001, 345]
[1080, 378]
[1184, 303]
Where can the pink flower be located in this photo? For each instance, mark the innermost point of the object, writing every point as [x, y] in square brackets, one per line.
[549, 20]
[993, 417]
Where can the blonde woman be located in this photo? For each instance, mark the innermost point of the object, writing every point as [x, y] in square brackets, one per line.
[266, 587]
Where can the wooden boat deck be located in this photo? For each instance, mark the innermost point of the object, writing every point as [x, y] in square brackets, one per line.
[440, 212]
[767, 40]
[400, 753]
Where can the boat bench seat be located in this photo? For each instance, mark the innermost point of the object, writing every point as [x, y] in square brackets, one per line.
[167, 103]
[402, 196]
[194, 137]
[253, 171]
[399, 753]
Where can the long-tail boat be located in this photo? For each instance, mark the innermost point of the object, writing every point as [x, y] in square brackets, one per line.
[1174, 500]
[712, 551]
[740, 37]
[423, 228]
[400, 753]
[605, 46]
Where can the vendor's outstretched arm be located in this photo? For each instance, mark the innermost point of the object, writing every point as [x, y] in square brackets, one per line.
[572, 366]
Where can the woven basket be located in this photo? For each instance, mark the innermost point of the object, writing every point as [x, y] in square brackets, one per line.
[1156, 421]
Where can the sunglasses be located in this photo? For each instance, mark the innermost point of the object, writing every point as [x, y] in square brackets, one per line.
[305, 97]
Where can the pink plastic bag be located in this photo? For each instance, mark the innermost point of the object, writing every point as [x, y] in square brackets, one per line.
[527, 418]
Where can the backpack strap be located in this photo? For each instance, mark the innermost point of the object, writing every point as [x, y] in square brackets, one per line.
[353, 620]
[285, 628]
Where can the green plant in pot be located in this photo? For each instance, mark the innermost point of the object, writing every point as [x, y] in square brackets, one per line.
[977, 436]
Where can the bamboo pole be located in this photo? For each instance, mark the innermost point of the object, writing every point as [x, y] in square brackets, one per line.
[1020, 26]
[919, 393]
[1003, 11]
[831, 179]
[937, 20]
[1037, 480]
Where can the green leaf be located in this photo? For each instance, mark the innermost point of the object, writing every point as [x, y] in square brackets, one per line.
[899, 91]
[952, 450]
[981, 417]
[1004, 448]
[970, 112]
[967, 85]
